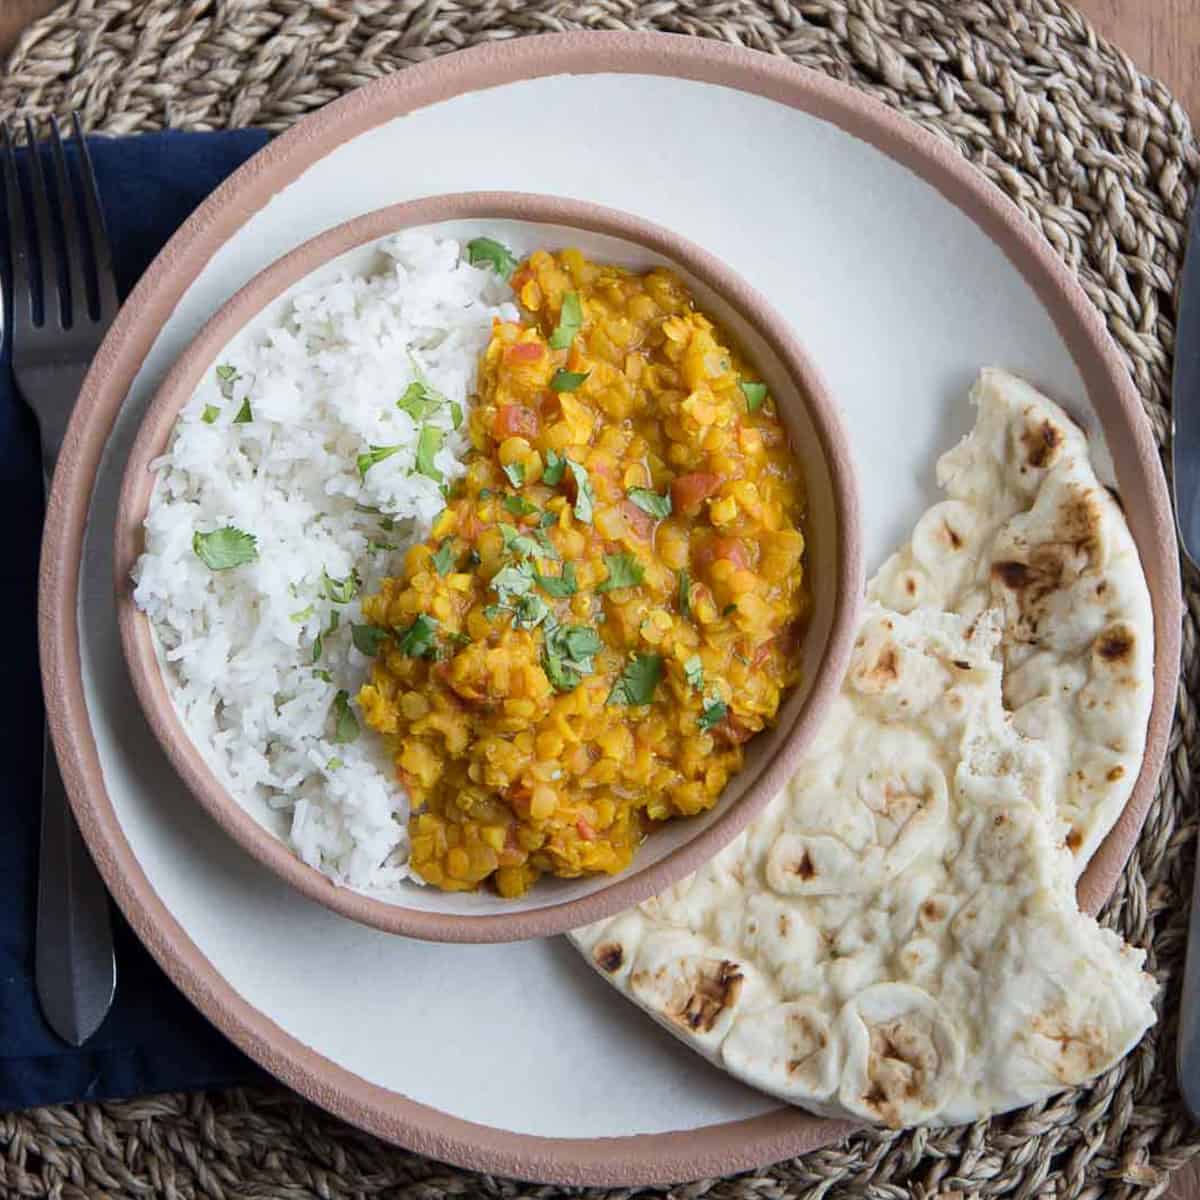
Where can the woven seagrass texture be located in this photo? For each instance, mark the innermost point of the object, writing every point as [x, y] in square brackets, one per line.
[1099, 157]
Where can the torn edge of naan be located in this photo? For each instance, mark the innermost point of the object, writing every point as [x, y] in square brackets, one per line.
[961, 981]
[1027, 528]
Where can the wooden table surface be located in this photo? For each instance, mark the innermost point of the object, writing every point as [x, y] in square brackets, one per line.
[1161, 36]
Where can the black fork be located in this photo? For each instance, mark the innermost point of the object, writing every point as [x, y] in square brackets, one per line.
[62, 297]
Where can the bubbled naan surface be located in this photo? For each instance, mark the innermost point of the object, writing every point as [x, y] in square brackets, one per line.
[896, 939]
[1028, 529]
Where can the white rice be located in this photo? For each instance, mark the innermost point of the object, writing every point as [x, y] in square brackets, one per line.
[238, 644]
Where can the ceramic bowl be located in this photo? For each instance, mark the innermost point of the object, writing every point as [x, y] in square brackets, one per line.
[833, 560]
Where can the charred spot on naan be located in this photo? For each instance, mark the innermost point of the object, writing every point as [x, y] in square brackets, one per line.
[1042, 441]
[608, 956]
[1116, 645]
[700, 996]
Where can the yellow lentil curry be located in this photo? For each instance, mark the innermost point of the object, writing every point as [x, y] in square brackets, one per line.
[611, 602]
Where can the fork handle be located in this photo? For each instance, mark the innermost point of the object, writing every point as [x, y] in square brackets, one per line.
[75, 968]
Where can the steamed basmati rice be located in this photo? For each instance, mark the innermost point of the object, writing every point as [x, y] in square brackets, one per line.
[256, 656]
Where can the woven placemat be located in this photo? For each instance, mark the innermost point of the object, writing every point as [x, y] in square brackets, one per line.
[1099, 157]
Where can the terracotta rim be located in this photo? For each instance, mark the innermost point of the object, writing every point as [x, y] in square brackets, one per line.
[635, 885]
[627, 1161]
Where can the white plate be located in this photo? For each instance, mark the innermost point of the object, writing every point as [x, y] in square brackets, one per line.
[898, 295]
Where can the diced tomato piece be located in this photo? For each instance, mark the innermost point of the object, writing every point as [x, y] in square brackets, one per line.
[689, 490]
[731, 548]
[515, 420]
[520, 279]
[585, 831]
[641, 522]
[732, 731]
[524, 352]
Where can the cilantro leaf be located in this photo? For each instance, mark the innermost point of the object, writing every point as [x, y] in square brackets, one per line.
[456, 413]
[530, 611]
[428, 444]
[515, 472]
[420, 400]
[333, 764]
[651, 502]
[340, 591]
[376, 455]
[226, 375]
[519, 506]
[693, 672]
[570, 321]
[345, 723]
[637, 682]
[301, 616]
[585, 498]
[567, 654]
[323, 675]
[516, 579]
[225, 548]
[547, 519]
[567, 381]
[558, 586]
[713, 714]
[685, 594]
[623, 571]
[318, 647]
[368, 638]
[556, 464]
[210, 414]
[443, 558]
[419, 640]
[487, 252]
[244, 416]
[755, 394]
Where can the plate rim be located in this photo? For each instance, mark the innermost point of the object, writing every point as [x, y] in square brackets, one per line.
[644, 1159]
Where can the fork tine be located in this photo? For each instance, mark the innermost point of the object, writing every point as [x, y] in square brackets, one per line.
[75, 237]
[43, 228]
[106, 280]
[22, 291]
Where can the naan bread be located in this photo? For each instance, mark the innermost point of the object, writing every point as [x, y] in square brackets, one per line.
[1028, 529]
[896, 939]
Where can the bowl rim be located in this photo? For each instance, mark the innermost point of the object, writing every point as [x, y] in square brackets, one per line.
[634, 885]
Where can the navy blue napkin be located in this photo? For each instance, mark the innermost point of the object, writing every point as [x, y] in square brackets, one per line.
[153, 1039]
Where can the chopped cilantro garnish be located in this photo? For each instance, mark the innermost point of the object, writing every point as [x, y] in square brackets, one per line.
[693, 672]
[729, 608]
[420, 400]
[567, 381]
[443, 558]
[637, 682]
[623, 571]
[519, 506]
[651, 502]
[244, 416]
[530, 611]
[558, 586]
[225, 548]
[345, 723]
[570, 321]
[515, 472]
[333, 764]
[368, 638]
[376, 455]
[556, 464]
[487, 252]
[685, 594]
[335, 618]
[302, 616]
[755, 394]
[585, 497]
[419, 640]
[713, 714]
[428, 444]
[456, 414]
[340, 591]
[318, 647]
[486, 493]
[567, 654]
[381, 547]
[225, 379]
[323, 675]
[513, 580]
[547, 519]
[210, 414]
